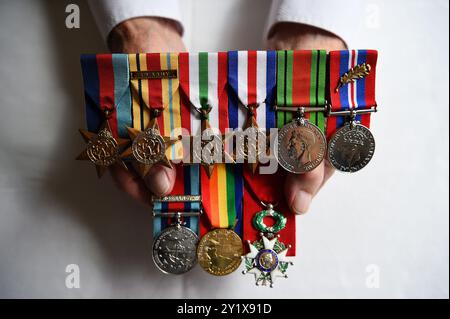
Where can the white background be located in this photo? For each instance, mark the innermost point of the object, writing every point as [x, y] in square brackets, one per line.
[54, 212]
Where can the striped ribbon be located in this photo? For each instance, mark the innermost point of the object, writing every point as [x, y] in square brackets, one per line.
[162, 94]
[106, 87]
[186, 183]
[203, 79]
[357, 94]
[252, 77]
[301, 77]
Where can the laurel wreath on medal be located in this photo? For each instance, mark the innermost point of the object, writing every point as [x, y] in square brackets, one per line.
[357, 72]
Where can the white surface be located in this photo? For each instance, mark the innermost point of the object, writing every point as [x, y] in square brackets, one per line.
[54, 212]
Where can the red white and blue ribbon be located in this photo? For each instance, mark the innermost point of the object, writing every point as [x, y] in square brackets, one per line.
[252, 78]
[359, 94]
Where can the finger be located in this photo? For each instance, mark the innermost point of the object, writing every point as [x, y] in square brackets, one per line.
[329, 171]
[130, 183]
[160, 180]
[301, 188]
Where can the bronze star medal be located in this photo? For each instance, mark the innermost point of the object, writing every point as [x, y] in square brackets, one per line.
[148, 147]
[205, 153]
[249, 148]
[102, 148]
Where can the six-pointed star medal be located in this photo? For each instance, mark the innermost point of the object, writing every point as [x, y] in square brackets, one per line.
[102, 148]
[148, 147]
[204, 151]
[251, 150]
[267, 260]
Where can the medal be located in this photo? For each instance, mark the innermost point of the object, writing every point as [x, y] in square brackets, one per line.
[156, 111]
[252, 79]
[301, 146]
[351, 148]
[102, 149]
[219, 252]
[351, 144]
[268, 256]
[175, 242]
[267, 260]
[106, 85]
[174, 250]
[301, 143]
[203, 80]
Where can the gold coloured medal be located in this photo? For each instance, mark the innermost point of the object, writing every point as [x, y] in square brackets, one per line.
[219, 252]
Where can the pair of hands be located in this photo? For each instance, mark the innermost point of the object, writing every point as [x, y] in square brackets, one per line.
[161, 35]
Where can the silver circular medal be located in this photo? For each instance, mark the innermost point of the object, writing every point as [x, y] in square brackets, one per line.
[301, 146]
[175, 250]
[351, 148]
[148, 147]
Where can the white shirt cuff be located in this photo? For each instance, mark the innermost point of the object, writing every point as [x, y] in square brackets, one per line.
[337, 17]
[109, 13]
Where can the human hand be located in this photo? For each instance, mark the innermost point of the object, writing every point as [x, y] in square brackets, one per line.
[147, 35]
[301, 189]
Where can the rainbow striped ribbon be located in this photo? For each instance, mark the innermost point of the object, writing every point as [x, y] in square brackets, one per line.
[252, 77]
[106, 85]
[203, 80]
[301, 78]
[157, 93]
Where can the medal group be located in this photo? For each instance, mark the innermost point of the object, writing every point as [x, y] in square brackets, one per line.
[157, 108]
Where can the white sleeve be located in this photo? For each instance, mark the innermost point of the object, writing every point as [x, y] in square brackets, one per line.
[338, 17]
[109, 13]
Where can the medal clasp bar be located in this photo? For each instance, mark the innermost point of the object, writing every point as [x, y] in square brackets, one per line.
[350, 112]
[304, 109]
[177, 199]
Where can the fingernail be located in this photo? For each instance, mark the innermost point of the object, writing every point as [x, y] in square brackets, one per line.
[158, 182]
[301, 202]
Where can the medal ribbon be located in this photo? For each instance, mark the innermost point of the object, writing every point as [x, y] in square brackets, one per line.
[252, 77]
[158, 94]
[203, 78]
[186, 183]
[301, 77]
[359, 94]
[106, 88]
[265, 188]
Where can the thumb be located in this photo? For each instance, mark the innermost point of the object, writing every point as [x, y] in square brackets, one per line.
[301, 188]
[160, 180]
